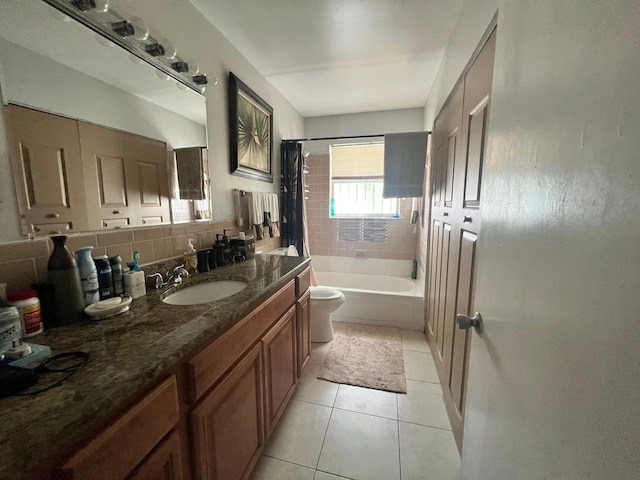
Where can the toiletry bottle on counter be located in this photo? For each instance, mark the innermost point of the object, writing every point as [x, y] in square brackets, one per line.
[117, 273]
[190, 258]
[88, 276]
[28, 306]
[105, 276]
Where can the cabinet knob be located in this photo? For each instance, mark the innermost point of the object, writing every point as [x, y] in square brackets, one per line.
[53, 215]
[466, 219]
[117, 212]
[465, 323]
[445, 214]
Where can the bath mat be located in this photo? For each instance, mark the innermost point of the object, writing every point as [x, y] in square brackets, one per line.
[365, 356]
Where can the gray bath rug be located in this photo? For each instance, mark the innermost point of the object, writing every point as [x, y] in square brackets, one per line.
[365, 356]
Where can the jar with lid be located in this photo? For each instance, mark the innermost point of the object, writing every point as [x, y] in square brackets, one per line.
[28, 305]
[10, 329]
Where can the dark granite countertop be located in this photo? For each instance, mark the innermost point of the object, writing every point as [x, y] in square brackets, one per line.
[126, 352]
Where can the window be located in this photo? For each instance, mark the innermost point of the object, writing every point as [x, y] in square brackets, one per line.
[357, 172]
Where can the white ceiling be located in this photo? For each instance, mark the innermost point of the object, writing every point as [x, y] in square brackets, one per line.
[340, 56]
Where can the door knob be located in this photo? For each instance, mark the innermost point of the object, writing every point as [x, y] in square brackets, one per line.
[464, 322]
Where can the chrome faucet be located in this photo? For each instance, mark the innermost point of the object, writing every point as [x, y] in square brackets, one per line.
[176, 277]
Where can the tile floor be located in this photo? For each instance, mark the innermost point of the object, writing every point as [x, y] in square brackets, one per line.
[333, 432]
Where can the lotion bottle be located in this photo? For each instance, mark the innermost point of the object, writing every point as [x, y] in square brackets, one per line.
[190, 258]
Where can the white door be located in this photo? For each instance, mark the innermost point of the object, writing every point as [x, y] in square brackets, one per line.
[554, 379]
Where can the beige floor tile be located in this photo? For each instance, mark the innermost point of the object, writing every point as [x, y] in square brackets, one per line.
[318, 352]
[428, 453]
[416, 341]
[367, 400]
[299, 435]
[423, 404]
[310, 389]
[327, 476]
[419, 366]
[273, 469]
[361, 447]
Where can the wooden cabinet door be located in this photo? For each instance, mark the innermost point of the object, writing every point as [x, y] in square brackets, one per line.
[303, 319]
[116, 451]
[45, 152]
[227, 425]
[164, 463]
[125, 177]
[459, 140]
[280, 361]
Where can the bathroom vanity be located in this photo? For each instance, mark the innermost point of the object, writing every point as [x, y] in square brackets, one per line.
[170, 392]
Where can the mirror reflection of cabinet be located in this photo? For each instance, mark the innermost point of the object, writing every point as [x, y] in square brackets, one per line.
[75, 176]
[125, 178]
[45, 150]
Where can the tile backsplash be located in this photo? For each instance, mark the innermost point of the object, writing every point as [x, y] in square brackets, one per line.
[22, 263]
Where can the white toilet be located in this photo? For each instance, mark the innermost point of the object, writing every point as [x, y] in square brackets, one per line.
[324, 301]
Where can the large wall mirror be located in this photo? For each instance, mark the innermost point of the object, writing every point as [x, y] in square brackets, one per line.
[62, 82]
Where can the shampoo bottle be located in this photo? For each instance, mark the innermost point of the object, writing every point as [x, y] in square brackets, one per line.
[190, 258]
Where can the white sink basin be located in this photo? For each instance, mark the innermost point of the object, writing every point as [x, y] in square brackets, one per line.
[205, 292]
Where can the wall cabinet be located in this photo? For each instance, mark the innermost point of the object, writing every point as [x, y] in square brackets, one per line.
[47, 166]
[125, 177]
[73, 176]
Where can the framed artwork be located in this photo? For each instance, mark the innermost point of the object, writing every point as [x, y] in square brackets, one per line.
[250, 133]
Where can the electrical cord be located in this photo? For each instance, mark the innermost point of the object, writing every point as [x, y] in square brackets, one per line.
[54, 364]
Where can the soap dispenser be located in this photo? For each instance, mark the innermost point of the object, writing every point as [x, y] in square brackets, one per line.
[190, 258]
[227, 246]
[218, 249]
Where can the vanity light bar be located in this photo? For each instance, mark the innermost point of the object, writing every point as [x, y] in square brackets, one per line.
[99, 17]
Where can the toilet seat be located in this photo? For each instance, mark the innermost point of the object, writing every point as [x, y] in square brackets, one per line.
[325, 293]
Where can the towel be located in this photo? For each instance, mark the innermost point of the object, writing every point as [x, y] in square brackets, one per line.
[272, 213]
[256, 213]
[405, 155]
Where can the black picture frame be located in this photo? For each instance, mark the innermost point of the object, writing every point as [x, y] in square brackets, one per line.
[250, 132]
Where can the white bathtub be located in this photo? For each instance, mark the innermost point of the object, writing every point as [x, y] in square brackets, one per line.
[377, 292]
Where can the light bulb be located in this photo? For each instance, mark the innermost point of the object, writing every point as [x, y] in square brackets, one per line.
[141, 31]
[136, 60]
[170, 51]
[194, 68]
[105, 42]
[161, 75]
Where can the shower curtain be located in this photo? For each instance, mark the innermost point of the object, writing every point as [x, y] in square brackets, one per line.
[291, 195]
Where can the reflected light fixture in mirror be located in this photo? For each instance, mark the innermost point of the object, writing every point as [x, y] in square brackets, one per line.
[133, 35]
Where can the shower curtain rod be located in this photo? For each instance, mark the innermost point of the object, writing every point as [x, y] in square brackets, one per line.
[350, 137]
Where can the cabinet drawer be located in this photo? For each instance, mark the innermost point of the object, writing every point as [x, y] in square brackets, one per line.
[208, 366]
[116, 451]
[303, 281]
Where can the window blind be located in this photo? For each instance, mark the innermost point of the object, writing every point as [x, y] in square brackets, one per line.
[357, 160]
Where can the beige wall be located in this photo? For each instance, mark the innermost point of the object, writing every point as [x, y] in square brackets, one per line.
[401, 242]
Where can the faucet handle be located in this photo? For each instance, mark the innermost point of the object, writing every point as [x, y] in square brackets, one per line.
[158, 279]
